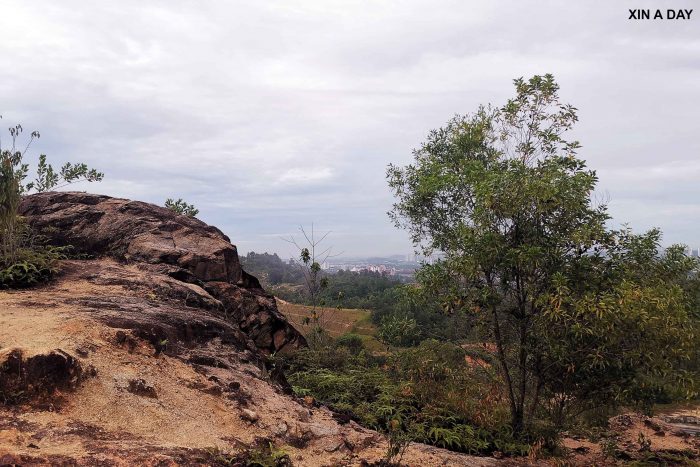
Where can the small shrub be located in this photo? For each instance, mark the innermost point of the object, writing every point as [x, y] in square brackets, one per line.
[398, 330]
[267, 455]
[399, 440]
[33, 261]
[181, 207]
[352, 342]
[644, 442]
[608, 447]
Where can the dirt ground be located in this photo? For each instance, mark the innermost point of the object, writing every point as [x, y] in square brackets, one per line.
[135, 405]
[636, 438]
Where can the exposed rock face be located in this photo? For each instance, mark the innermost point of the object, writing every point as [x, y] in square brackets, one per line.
[133, 230]
[165, 243]
[24, 376]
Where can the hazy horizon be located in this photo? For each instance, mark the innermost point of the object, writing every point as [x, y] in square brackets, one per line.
[271, 115]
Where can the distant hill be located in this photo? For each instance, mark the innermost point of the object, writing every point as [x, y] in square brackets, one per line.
[270, 269]
[364, 289]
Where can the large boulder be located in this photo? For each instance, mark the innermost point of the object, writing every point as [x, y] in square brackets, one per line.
[168, 243]
[133, 230]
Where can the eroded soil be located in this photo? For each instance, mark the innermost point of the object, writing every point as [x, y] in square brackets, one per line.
[164, 381]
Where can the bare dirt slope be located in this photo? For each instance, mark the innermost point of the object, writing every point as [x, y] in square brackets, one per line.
[153, 382]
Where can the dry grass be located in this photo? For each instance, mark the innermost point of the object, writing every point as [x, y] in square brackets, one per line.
[335, 321]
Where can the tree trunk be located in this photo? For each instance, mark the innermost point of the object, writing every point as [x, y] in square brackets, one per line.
[516, 421]
[504, 365]
[522, 362]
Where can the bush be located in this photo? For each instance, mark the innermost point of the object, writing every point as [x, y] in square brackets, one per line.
[398, 330]
[427, 394]
[25, 258]
[262, 453]
[352, 342]
[33, 261]
[32, 267]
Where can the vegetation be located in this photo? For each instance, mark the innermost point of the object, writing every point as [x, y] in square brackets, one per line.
[33, 261]
[364, 289]
[345, 322]
[271, 270]
[581, 316]
[389, 301]
[428, 393]
[357, 290]
[181, 207]
[262, 453]
[405, 305]
[311, 255]
[540, 318]
[25, 258]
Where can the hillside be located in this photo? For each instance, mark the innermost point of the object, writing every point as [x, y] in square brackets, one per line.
[153, 352]
[335, 321]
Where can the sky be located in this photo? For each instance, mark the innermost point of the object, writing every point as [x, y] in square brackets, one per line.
[268, 115]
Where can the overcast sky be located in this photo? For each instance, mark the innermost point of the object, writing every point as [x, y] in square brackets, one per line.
[267, 115]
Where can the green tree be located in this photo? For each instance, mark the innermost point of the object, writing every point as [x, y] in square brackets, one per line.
[270, 269]
[503, 195]
[13, 173]
[627, 330]
[181, 207]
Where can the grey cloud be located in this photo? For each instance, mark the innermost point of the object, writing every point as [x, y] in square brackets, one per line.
[271, 114]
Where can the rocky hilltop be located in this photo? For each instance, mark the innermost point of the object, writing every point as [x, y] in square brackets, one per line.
[151, 349]
[199, 259]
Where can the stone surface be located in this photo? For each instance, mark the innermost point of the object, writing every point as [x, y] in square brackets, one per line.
[138, 332]
[133, 230]
[249, 415]
[184, 258]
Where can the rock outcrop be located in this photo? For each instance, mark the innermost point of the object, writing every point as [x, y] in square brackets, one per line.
[200, 259]
[149, 349]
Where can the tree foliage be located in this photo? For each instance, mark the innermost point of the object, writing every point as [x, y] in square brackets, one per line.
[49, 179]
[530, 262]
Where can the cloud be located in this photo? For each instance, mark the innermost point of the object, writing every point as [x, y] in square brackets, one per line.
[267, 115]
[306, 175]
